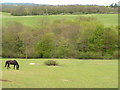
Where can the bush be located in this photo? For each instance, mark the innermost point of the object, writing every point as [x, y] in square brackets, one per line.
[51, 63]
[89, 55]
[116, 55]
[108, 56]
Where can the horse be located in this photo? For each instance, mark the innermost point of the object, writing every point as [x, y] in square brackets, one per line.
[12, 62]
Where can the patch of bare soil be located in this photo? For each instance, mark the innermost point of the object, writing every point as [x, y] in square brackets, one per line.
[4, 80]
[53, 66]
[66, 80]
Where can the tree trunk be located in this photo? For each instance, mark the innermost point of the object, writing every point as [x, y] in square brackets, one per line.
[26, 52]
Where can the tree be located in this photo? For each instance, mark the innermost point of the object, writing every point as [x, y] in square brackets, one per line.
[96, 41]
[19, 11]
[46, 46]
[12, 45]
[110, 40]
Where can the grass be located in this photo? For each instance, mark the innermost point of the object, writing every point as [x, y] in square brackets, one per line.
[107, 19]
[72, 73]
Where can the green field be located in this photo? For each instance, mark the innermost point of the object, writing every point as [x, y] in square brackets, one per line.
[71, 73]
[107, 19]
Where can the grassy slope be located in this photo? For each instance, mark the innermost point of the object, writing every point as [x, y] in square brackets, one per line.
[71, 73]
[107, 19]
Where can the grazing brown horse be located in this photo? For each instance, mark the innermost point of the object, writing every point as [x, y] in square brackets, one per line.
[12, 62]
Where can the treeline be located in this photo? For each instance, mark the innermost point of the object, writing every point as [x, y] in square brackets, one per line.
[83, 37]
[22, 10]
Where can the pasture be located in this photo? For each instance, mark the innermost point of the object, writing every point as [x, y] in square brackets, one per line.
[71, 73]
[107, 19]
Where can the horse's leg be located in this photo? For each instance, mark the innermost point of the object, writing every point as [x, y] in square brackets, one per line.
[14, 67]
[7, 66]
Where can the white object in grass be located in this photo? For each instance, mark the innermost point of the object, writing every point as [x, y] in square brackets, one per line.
[32, 63]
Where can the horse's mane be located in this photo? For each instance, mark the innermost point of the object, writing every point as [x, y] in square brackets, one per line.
[16, 62]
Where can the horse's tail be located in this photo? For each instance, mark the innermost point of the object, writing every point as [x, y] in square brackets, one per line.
[6, 64]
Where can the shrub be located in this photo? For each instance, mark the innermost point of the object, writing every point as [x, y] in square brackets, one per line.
[51, 63]
[108, 56]
[89, 55]
[116, 54]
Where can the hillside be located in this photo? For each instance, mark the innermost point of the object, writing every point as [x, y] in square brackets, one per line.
[107, 19]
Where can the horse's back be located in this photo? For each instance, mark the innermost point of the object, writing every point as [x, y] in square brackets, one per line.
[9, 60]
[12, 61]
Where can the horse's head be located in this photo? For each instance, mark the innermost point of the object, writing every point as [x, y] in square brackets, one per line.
[17, 67]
